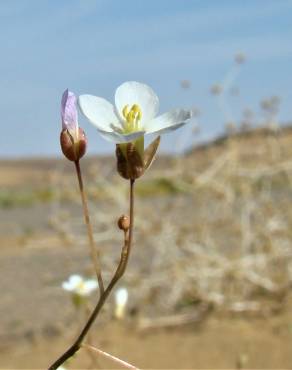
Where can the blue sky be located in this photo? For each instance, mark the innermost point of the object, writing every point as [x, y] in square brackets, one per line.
[92, 46]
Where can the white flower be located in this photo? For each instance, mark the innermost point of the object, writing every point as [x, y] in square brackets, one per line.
[133, 116]
[76, 284]
[121, 300]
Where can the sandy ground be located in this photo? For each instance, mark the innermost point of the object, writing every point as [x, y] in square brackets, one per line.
[36, 327]
[219, 343]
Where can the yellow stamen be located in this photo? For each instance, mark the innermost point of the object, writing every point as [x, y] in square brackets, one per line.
[81, 285]
[125, 111]
[135, 108]
[132, 118]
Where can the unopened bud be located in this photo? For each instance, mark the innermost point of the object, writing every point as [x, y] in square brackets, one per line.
[124, 223]
[73, 147]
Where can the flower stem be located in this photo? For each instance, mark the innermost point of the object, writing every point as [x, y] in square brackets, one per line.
[93, 358]
[108, 355]
[93, 250]
[118, 274]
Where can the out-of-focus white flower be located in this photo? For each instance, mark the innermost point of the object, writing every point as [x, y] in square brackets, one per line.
[61, 368]
[76, 284]
[121, 300]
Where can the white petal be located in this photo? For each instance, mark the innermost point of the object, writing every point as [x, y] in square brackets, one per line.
[98, 111]
[121, 296]
[67, 286]
[75, 279]
[72, 282]
[119, 138]
[90, 285]
[130, 93]
[168, 121]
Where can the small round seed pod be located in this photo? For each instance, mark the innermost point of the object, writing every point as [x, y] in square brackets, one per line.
[124, 223]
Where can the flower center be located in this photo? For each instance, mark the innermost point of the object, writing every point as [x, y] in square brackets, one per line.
[132, 118]
[81, 286]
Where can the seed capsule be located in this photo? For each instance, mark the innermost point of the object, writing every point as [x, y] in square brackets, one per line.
[133, 160]
[129, 161]
[124, 223]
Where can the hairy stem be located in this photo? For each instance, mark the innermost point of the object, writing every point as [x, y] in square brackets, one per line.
[93, 250]
[118, 274]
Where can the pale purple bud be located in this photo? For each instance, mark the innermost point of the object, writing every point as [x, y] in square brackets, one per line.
[72, 139]
[69, 112]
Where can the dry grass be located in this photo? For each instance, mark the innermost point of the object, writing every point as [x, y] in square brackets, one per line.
[213, 227]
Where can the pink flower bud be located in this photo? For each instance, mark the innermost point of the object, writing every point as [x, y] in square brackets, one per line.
[72, 139]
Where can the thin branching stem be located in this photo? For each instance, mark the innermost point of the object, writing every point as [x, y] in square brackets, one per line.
[93, 249]
[93, 358]
[126, 250]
